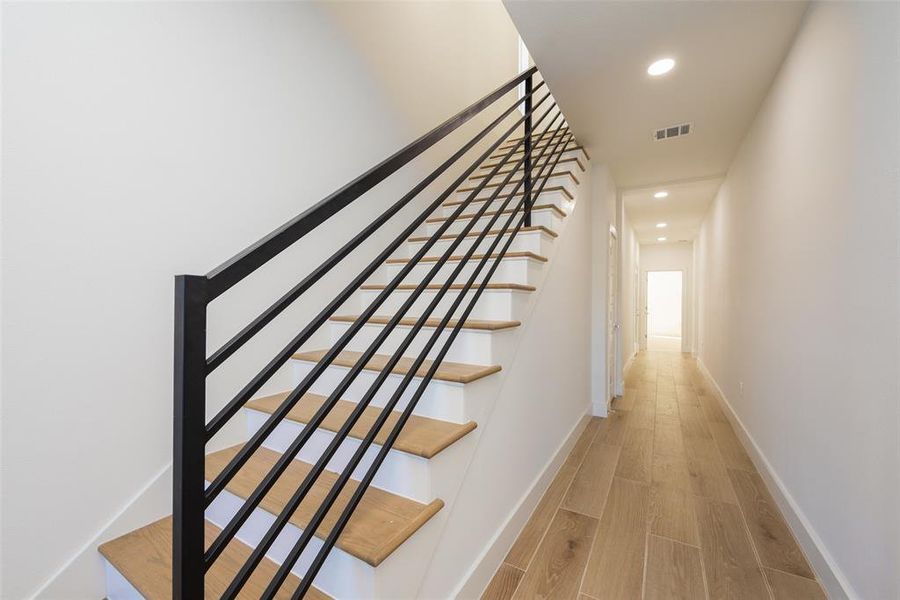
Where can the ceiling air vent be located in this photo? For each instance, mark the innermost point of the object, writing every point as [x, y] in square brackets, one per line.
[674, 131]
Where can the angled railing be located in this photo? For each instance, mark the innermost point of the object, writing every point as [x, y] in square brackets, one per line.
[193, 293]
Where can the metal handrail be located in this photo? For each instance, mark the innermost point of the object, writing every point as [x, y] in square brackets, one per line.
[288, 403]
[290, 507]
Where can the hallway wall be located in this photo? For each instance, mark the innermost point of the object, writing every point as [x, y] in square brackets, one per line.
[141, 140]
[798, 293]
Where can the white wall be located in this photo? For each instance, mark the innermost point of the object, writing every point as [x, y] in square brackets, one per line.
[799, 293]
[603, 200]
[672, 256]
[143, 140]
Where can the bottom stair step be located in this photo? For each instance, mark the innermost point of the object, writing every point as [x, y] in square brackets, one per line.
[381, 522]
[144, 558]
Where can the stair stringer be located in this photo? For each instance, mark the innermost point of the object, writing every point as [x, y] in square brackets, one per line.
[540, 401]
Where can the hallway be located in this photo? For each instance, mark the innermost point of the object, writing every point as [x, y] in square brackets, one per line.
[659, 501]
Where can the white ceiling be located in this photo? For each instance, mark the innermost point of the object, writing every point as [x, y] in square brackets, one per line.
[594, 55]
[682, 210]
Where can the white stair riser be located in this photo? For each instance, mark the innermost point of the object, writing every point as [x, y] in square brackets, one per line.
[510, 270]
[556, 198]
[117, 587]
[491, 163]
[441, 400]
[471, 346]
[494, 305]
[538, 242]
[400, 473]
[543, 216]
[486, 192]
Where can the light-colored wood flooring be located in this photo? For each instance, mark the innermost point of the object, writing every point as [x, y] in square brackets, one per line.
[658, 501]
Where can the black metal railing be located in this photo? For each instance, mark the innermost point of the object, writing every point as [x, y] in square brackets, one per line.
[193, 293]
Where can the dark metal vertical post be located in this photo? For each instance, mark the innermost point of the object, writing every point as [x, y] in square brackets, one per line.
[190, 437]
[527, 165]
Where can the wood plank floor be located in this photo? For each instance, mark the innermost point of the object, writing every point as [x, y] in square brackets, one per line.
[659, 500]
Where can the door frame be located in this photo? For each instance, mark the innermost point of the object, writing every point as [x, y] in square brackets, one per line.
[685, 301]
[612, 316]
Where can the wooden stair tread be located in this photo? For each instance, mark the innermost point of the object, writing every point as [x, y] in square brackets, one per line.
[546, 190]
[518, 287]
[537, 165]
[537, 142]
[478, 324]
[448, 371]
[514, 181]
[491, 213]
[381, 522]
[552, 133]
[552, 188]
[450, 236]
[432, 259]
[518, 153]
[421, 436]
[144, 558]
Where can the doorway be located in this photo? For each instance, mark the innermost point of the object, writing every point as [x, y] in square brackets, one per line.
[664, 310]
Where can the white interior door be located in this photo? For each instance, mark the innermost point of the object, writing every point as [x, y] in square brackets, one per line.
[665, 293]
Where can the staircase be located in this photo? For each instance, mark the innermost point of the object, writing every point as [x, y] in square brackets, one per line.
[370, 447]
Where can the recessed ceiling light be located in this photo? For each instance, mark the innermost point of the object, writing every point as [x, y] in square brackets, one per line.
[661, 67]
[661, 225]
[662, 194]
[660, 239]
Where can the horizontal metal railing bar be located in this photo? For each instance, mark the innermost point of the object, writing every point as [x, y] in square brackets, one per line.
[318, 561]
[234, 405]
[247, 333]
[357, 457]
[248, 260]
[301, 439]
[276, 417]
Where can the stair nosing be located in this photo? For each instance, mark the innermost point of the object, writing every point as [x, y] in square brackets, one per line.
[455, 433]
[432, 259]
[489, 199]
[376, 555]
[479, 371]
[552, 207]
[567, 149]
[494, 232]
[470, 324]
[536, 165]
[552, 188]
[513, 287]
[515, 181]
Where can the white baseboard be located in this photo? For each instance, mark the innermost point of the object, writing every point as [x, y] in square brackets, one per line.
[829, 574]
[479, 576]
[628, 363]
